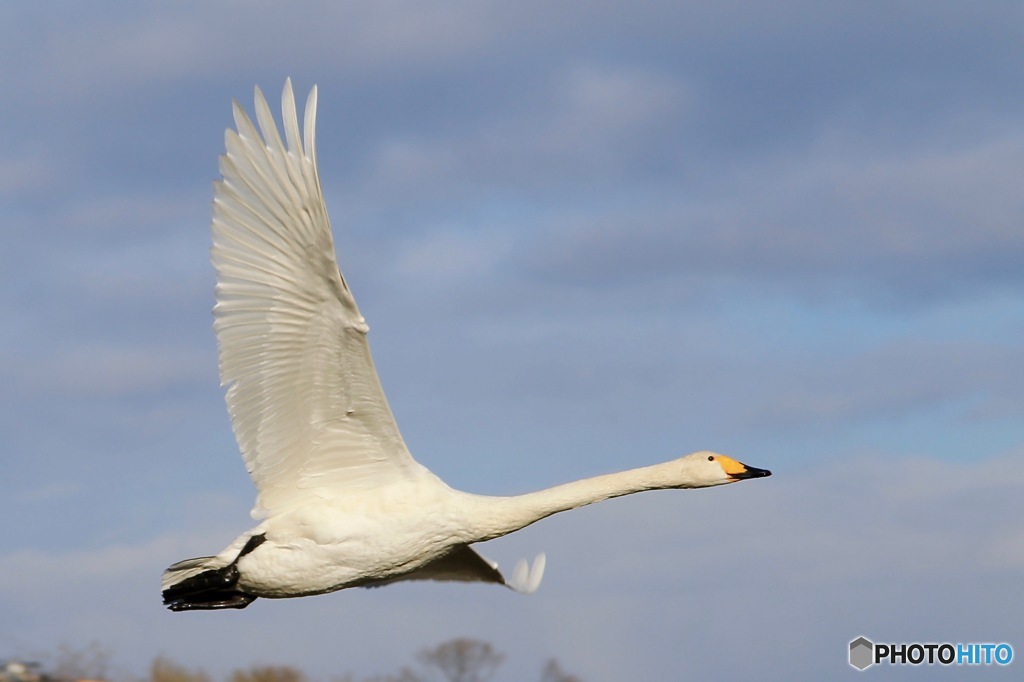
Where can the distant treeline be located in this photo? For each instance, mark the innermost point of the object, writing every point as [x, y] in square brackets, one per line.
[458, 660]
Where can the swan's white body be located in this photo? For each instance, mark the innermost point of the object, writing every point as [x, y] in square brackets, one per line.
[341, 500]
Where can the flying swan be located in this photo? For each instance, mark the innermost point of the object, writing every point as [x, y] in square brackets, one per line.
[341, 501]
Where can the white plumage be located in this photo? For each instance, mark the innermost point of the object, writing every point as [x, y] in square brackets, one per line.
[341, 500]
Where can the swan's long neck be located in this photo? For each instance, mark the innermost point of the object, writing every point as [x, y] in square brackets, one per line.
[492, 517]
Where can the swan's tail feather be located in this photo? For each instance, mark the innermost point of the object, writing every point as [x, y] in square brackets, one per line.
[526, 578]
[188, 568]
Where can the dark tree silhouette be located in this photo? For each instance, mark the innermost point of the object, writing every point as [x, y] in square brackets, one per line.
[462, 660]
[554, 673]
[269, 673]
[89, 663]
[163, 669]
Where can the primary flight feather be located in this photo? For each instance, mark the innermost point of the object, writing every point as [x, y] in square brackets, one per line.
[341, 501]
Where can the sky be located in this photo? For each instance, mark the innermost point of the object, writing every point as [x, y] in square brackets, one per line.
[587, 236]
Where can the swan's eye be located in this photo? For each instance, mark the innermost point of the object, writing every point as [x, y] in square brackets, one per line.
[711, 458]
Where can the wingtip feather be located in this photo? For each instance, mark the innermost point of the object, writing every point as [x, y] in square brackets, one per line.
[309, 126]
[526, 578]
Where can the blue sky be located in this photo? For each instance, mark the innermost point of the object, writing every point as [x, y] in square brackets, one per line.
[587, 237]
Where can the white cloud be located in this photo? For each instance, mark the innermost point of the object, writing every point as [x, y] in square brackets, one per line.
[448, 256]
[25, 173]
[907, 227]
[104, 371]
[83, 55]
[48, 493]
[585, 126]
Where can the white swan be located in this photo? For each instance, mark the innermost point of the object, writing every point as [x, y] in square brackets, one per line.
[341, 501]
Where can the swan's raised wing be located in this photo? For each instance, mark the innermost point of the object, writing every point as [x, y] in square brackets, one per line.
[306, 405]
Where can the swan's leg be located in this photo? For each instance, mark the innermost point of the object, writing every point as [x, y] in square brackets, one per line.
[254, 542]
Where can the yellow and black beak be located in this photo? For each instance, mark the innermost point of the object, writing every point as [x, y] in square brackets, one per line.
[749, 472]
[737, 471]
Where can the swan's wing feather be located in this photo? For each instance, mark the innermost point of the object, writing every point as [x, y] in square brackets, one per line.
[306, 405]
[526, 577]
[466, 565]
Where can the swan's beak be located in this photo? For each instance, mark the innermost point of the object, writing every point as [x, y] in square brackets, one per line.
[743, 471]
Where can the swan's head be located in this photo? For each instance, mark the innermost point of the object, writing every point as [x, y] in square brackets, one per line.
[703, 469]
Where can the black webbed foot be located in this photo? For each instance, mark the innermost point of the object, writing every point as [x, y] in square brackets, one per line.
[213, 588]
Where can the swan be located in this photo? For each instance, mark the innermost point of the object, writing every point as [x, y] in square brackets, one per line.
[341, 502]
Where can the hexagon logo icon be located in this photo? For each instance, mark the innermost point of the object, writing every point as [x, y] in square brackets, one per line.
[862, 652]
